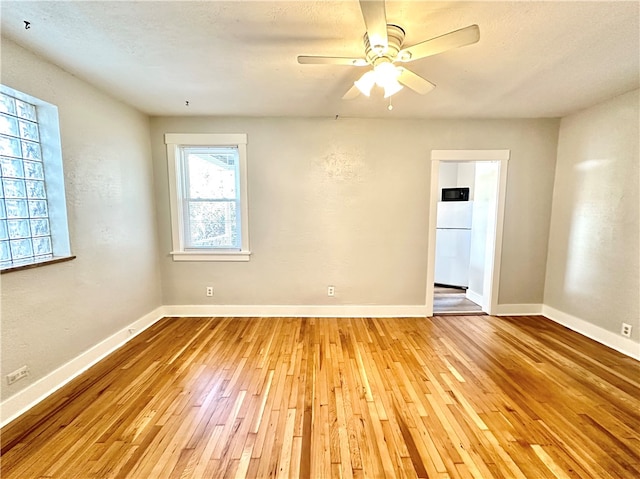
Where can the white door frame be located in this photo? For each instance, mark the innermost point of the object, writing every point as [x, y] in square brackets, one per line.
[502, 156]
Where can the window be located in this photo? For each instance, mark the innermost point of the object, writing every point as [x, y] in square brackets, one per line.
[208, 194]
[33, 219]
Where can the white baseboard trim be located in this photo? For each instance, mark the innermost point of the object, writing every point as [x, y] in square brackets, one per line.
[475, 297]
[304, 311]
[28, 397]
[518, 309]
[615, 341]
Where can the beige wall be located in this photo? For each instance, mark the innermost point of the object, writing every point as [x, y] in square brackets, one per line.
[345, 203]
[53, 313]
[593, 266]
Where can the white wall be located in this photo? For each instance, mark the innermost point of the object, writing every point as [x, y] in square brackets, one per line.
[447, 176]
[345, 203]
[593, 263]
[467, 177]
[454, 174]
[483, 221]
[53, 313]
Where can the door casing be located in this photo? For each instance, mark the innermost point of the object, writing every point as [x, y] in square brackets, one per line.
[492, 282]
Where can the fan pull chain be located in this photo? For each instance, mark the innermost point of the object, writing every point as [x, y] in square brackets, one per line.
[390, 107]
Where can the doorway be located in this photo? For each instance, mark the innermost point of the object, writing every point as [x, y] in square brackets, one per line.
[485, 173]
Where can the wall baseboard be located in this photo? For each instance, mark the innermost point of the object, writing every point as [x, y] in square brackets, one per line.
[475, 297]
[304, 311]
[519, 309]
[615, 341]
[31, 395]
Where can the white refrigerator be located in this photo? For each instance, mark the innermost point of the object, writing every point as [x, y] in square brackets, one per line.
[453, 243]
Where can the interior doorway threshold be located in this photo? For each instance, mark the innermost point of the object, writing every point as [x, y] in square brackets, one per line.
[447, 299]
[459, 313]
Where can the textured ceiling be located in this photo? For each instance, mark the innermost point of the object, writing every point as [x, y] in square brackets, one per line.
[534, 59]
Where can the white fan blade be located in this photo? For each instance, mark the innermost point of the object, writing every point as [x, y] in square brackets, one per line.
[375, 19]
[352, 93]
[448, 41]
[315, 60]
[415, 82]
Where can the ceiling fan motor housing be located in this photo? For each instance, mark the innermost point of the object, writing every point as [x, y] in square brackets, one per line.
[395, 36]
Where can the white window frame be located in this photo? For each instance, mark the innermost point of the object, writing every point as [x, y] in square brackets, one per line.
[175, 142]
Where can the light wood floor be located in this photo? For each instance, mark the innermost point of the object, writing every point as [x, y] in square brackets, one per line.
[472, 396]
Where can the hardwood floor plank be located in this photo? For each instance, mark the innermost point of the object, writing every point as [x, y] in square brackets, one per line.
[445, 397]
[549, 462]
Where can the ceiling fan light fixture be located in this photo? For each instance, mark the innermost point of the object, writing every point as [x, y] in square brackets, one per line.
[385, 72]
[392, 88]
[387, 77]
[366, 82]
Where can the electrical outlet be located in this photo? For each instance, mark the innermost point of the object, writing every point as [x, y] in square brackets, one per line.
[626, 330]
[209, 290]
[18, 374]
[331, 291]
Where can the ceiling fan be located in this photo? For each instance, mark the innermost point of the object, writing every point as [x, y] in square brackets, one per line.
[384, 49]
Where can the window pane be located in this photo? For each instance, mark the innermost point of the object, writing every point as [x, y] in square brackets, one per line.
[5, 252]
[14, 188]
[25, 110]
[7, 104]
[31, 150]
[12, 168]
[3, 230]
[9, 125]
[35, 189]
[213, 175]
[41, 246]
[3, 210]
[18, 229]
[21, 248]
[29, 130]
[17, 208]
[10, 146]
[213, 224]
[33, 170]
[40, 227]
[38, 209]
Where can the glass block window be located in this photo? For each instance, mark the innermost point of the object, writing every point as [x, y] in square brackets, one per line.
[25, 234]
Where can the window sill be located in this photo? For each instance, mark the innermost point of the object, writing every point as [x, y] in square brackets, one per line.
[210, 256]
[36, 264]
